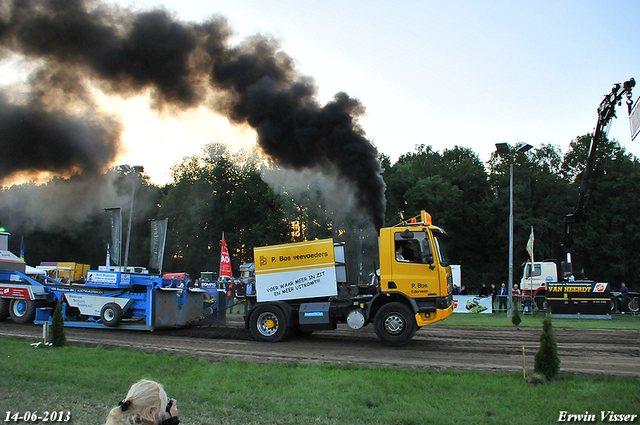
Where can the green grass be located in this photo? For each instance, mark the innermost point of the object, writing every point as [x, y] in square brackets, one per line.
[88, 382]
[617, 321]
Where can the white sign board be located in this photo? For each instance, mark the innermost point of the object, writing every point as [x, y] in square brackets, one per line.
[471, 304]
[634, 120]
[293, 271]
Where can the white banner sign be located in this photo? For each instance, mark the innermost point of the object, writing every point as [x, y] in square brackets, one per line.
[308, 283]
[299, 270]
[471, 304]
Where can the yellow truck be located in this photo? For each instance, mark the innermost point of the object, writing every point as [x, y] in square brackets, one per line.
[302, 287]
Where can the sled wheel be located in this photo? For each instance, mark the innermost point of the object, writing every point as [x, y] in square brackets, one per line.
[111, 314]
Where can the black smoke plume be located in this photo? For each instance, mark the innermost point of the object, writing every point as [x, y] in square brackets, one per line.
[183, 65]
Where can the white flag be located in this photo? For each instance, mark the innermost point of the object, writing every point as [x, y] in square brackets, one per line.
[530, 244]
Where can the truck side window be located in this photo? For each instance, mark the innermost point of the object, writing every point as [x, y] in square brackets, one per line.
[410, 249]
[537, 270]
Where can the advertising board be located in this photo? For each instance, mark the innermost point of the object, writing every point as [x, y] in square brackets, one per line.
[295, 271]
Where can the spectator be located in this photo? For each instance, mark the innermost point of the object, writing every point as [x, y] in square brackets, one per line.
[231, 291]
[463, 290]
[250, 287]
[517, 294]
[502, 298]
[146, 403]
[484, 291]
[494, 294]
[241, 296]
[624, 291]
[456, 291]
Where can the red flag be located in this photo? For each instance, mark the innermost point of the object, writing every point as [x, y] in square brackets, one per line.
[225, 260]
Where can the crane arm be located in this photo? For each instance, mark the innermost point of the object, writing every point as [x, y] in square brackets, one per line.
[606, 111]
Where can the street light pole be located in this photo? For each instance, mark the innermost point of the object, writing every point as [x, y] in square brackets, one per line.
[505, 148]
[510, 291]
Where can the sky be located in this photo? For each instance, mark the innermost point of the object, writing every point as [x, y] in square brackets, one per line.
[439, 73]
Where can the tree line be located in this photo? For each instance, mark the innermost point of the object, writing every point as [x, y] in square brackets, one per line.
[255, 202]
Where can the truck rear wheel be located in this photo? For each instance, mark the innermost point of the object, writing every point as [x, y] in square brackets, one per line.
[269, 324]
[111, 314]
[4, 308]
[22, 311]
[395, 324]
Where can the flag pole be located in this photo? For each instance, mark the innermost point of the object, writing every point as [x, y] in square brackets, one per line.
[221, 252]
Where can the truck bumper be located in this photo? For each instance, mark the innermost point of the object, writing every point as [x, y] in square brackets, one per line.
[423, 319]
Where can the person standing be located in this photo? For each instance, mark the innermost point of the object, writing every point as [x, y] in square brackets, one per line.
[494, 294]
[502, 298]
[484, 291]
[231, 292]
[624, 291]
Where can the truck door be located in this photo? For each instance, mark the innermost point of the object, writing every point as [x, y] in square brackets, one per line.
[413, 268]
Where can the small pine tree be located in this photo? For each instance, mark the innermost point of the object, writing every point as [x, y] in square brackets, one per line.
[546, 361]
[56, 332]
[515, 319]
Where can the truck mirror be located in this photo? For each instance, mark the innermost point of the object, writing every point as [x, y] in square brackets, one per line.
[428, 258]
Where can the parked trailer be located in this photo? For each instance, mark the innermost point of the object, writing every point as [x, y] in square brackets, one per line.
[107, 300]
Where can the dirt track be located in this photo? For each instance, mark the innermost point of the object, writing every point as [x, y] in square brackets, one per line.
[609, 352]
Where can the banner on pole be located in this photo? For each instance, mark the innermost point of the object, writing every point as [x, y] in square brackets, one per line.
[530, 244]
[115, 221]
[225, 260]
[158, 239]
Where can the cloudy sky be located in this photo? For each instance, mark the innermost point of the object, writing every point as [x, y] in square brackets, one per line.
[440, 73]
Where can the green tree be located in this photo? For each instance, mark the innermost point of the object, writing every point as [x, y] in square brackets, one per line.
[219, 192]
[56, 332]
[454, 189]
[546, 360]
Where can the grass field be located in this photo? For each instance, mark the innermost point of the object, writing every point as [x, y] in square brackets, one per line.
[617, 321]
[88, 382]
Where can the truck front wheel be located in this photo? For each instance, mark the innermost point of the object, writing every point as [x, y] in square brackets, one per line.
[395, 324]
[269, 324]
[22, 311]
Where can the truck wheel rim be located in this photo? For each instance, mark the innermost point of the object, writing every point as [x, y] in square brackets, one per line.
[394, 324]
[267, 324]
[19, 308]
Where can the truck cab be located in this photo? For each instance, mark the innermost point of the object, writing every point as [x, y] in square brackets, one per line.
[535, 276]
[420, 274]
